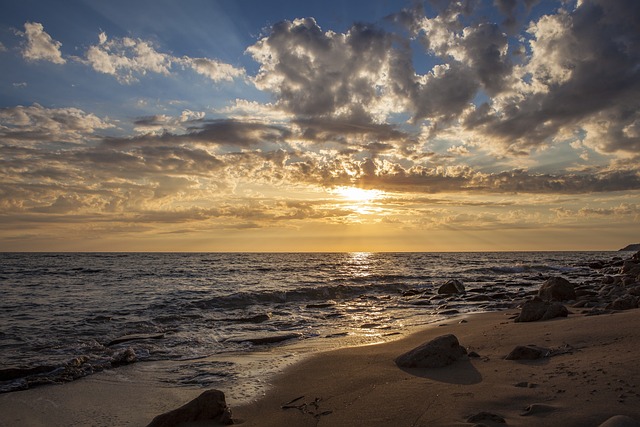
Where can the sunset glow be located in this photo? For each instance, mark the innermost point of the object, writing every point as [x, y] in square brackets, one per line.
[350, 126]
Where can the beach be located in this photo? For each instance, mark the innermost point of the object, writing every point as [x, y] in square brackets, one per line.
[591, 375]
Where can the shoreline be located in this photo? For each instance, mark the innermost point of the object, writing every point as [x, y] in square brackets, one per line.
[595, 376]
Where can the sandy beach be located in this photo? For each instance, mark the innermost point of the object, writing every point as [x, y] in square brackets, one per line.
[591, 375]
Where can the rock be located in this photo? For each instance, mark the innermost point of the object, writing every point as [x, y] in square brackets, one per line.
[630, 267]
[266, 339]
[620, 421]
[209, 406]
[258, 318]
[536, 309]
[486, 416]
[557, 289]
[327, 304]
[123, 357]
[437, 353]
[134, 337]
[528, 352]
[453, 286]
[10, 374]
[537, 408]
[626, 302]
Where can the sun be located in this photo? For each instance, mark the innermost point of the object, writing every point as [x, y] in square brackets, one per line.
[358, 195]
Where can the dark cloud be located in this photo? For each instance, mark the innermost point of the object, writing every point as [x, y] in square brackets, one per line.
[588, 62]
[227, 132]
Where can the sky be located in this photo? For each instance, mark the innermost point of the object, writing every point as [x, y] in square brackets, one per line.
[377, 125]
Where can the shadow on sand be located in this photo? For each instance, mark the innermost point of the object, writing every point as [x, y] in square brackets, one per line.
[460, 372]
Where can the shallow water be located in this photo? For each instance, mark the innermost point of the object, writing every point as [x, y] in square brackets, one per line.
[62, 310]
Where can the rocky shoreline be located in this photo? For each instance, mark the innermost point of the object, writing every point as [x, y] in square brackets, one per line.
[614, 287]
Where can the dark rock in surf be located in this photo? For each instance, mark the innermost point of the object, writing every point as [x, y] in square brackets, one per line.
[528, 352]
[258, 318]
[437, 353]
[134, 337]
[536, 309]
[557, 289]
[626, 302]
[124, 357]
[267, 339]
[209, 406]
[10, 374]
[412, 292]
[453, 286]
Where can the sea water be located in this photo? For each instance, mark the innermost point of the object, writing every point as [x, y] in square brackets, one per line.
[62, 314]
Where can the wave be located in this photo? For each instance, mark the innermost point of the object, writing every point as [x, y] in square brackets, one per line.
[302, 294]
[519, 269]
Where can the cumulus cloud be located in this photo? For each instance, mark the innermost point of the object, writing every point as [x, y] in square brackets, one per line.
[314, 72]
[582, 73]
[40, 46]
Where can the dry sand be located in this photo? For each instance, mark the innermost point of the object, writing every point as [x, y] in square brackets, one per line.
[595, 376]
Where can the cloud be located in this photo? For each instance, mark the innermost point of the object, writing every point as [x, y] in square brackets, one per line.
[36, 125]
[582, 73]
[161, 123]
[127, 59]
[223, 132]
[214, 70]
[40, 46]
[318, 73]
[3, 48]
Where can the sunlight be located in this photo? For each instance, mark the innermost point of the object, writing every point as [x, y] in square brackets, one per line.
[358, 194]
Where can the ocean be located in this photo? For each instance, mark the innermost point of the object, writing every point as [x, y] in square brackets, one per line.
[68, 315]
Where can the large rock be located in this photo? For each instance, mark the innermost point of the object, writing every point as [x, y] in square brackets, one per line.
[537, 309]
[453, 286]
[528, 352]
[437, 353]
[630, 268]
[626, 302]
[557, 289]
[620, 421]
[209, 406]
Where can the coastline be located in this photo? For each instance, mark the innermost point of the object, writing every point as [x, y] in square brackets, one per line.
[594, 377]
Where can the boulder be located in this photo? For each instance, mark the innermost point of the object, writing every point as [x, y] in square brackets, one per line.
[626, 302]
[537, 309]
[486, 416]
[557, 289]
[437, 353]
[209, 406]
[630, 267]
[620, 421]
[453, 286]
[528, 352]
